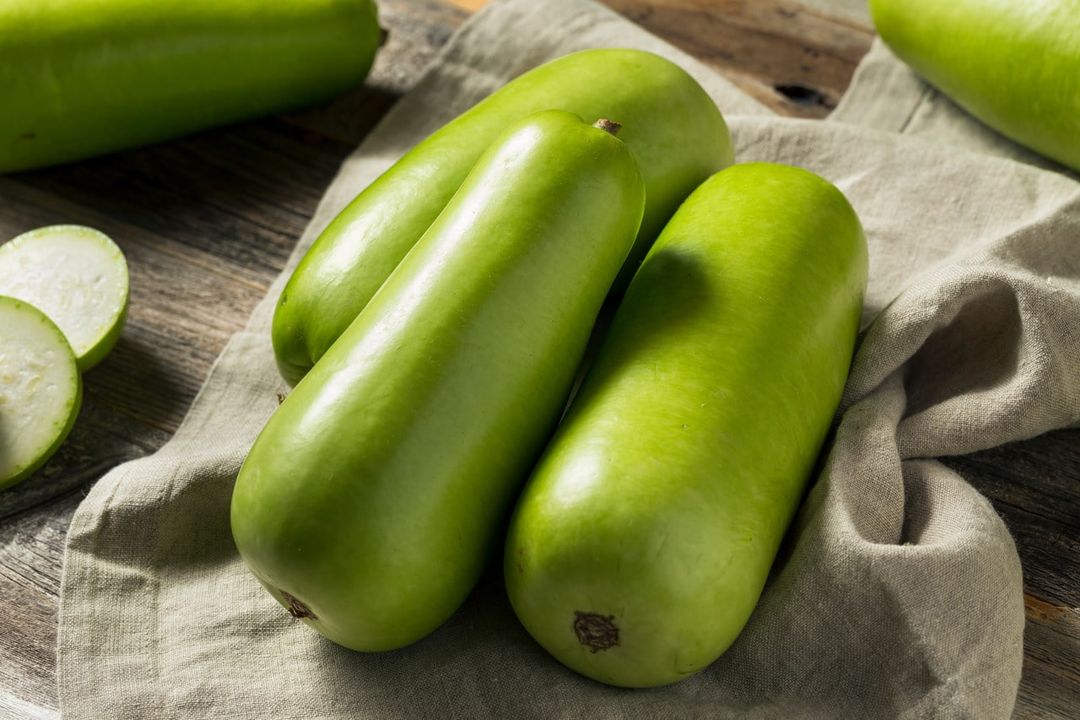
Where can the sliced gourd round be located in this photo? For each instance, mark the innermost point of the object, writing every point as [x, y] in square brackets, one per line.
[40, 389]
[75, 275]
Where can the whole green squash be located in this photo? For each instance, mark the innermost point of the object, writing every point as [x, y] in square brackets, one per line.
[671, 126]
[1014, 64]
[642, 542]
[84, 77]
[376, 493]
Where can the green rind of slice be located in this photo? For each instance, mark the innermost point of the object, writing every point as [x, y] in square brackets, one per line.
[40, 389]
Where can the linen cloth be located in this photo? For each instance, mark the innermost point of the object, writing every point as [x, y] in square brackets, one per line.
[898, 593]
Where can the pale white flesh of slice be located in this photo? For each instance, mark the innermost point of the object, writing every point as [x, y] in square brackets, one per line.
[75, 275]
[40, 389]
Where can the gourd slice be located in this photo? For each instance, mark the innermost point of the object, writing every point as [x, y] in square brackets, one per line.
[75, 275]
[40, 389]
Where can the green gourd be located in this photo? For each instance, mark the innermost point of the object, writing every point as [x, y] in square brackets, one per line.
[1014, 64]
[80, 78]
[376, 493]
[671, 126]
[642, 541]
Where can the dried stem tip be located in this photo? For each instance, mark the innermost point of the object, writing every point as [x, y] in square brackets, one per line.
[608, 126]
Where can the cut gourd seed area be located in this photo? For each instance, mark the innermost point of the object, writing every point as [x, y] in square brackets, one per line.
[63, 299]
[78, 277]
[40, 389]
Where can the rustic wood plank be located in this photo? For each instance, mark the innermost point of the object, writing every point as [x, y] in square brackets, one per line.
[1051, 677]
[31, 549]
[208, 221]
[1035, 486]
[794, 58]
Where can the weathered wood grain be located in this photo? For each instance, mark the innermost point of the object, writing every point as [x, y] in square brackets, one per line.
[1035, 486]
[208, 221]
[792, 56]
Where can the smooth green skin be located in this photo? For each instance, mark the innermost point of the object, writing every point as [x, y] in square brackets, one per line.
[97, 352]
[377, 491]
[80, 78]
[1014, 64]
[672, 128]
[9, 306]
[662, 500]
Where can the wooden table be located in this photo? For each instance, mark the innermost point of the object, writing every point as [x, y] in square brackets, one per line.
[208, 221]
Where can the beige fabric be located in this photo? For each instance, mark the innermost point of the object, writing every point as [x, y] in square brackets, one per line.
[898, 596]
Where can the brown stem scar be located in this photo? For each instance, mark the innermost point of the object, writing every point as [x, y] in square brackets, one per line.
[594, 631]
[296, 608]
[608, 126]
